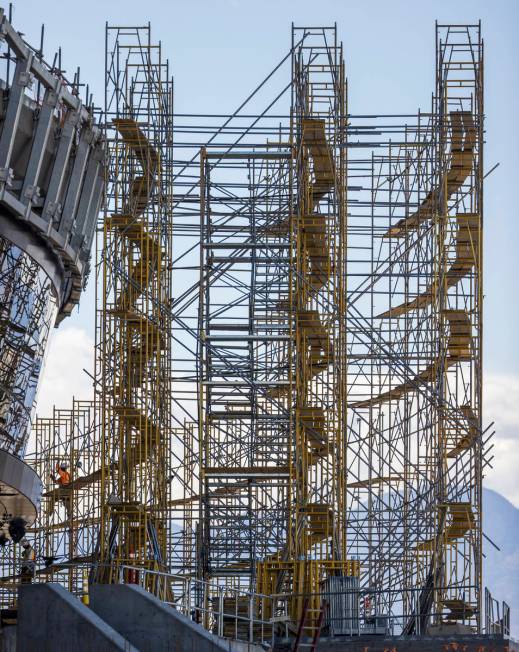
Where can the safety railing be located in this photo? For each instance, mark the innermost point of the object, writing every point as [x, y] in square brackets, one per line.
[257, 618]
[236, 613]
[228, 612]
[497, 615]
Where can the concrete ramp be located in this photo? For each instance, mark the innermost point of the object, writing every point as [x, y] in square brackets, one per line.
[50, 618]
[150, 625]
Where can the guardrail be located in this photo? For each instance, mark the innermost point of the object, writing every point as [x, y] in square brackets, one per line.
[225, 611]
[239, 614]
[497, 615]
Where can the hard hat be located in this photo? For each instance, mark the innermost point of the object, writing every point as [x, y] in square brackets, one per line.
[63, 467]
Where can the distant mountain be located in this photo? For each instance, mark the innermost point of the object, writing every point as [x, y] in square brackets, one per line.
[501, 568]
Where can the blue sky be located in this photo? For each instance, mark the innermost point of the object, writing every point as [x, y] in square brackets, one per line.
[220, 50]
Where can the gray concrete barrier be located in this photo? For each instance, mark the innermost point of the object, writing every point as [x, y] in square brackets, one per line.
[151, 625]
[50, 618]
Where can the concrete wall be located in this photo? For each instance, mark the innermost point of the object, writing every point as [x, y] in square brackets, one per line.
[50, 618]
[8, 639]
[421, 644]
[151, 625]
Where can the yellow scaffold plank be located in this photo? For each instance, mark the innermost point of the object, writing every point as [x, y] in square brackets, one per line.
[460, 337]
[135, 230]
[228, 489]
[316, 245]
[147, 339]
[467, 439]
[464, 135]
[141, 324]
[315, 241]
[314, 137]
[151, 254]
[313, 423]
[150, 433]
[317, 343]
[317, 338]
[320, 520]
[146, 154]
[460, 520]
[137, 140]
[75, 485]
[136, 418]
[459, 609]
[467, 256]
[459, 349]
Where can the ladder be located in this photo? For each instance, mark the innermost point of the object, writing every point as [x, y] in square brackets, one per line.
[317, 633]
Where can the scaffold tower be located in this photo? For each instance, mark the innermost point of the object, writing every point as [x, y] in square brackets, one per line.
[133, 366]
[286, 422]
[272, 365]
[415, 443]
[67, 529]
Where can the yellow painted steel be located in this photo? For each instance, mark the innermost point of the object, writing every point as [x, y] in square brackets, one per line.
[134, 327]
[67, 528]
[288, 454]
[271, 497]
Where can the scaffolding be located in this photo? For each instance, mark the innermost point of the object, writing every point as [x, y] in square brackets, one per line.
[114, 511]
[133, 350]
[415, 449]
[303, 418]
[272, 358]
[339, 428]
[67, 530]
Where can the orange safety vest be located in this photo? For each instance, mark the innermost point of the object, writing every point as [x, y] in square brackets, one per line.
[64, 477]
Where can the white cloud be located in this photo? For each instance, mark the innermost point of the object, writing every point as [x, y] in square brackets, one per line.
[71, 350]
[501, 405]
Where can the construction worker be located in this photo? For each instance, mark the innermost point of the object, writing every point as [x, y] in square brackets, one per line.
[62, 479]
[28, 567]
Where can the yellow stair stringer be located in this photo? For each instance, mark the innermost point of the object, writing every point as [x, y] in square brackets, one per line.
[464, 136]
[459, 349]
[466, 258]
[460, 521]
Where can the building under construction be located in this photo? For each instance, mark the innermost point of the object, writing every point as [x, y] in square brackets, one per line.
[284, 440]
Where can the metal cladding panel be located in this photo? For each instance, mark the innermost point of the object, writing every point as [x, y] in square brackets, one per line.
[51, 162]
[20, 487]
[342, 594]
[27, 315]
